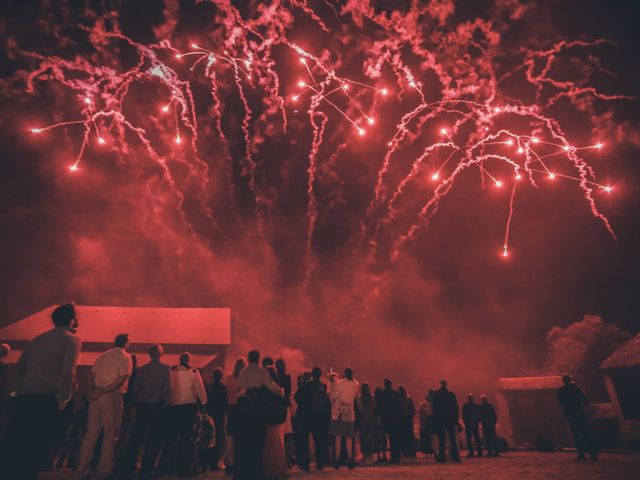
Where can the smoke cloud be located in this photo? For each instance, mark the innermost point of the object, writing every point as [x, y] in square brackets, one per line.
[119, 233]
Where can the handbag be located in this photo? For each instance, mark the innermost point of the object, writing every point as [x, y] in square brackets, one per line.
[275, 407]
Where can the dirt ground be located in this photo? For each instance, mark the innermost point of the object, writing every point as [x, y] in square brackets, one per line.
[514, 465]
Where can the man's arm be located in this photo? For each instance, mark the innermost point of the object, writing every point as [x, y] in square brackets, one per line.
[583, 398]
[268, 382]
[201, 392]
[67, 372]
[115, 385]
[166, 386]
[21, 367]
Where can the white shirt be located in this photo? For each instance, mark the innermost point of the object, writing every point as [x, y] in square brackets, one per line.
[112, 364]
[342, 396]
[255, 376]
[187, 386]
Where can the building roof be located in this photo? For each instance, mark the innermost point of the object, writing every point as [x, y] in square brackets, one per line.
[200, 330]
[530, 383]
[627, 355]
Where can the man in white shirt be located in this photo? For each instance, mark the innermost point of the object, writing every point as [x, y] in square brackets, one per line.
[108, 384]
[187, 389]
[343, 416]
[253, 376]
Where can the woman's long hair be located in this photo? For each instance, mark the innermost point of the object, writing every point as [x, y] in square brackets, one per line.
[237, 368]
[365, 395]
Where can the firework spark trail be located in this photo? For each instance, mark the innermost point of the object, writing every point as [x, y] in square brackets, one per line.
[312, 209]
[415, 168]
[217, 112]
[505, 244]
[401, 132]
[462, 57]
[248, 157]
[431, 207]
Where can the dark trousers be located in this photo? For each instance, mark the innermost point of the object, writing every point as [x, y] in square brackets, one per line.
[148, 430]
[33, 428]
[408, 444]
[426, 432]
[183, 418]
[249, 438]
[579, 425]
[394, 432]
[320, 433]
[450, 431]
[472, 434]
[490, 438]
[221, 437]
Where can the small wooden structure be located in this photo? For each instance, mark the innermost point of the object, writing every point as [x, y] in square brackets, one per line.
[621, 372]
[205, 332]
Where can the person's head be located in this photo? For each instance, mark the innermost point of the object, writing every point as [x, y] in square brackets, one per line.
[566, 379]
[5, 350]
[185, 359]
[402, 390]
[281, 367]
[387, 383]
[217, 375]
[443, 384]
[237, 368]
[348, 373]
[316, 373]
[430, 393]
[254, 356]
[156, 351]
[365, 391]
[122, 340]
[267, 362]
[306, 376]
[65, 316]
[483, 398]
[470, 397]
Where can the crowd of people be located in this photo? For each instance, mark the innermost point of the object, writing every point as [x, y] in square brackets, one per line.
[254, 422]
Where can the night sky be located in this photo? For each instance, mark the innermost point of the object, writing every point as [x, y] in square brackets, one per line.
[118, 232]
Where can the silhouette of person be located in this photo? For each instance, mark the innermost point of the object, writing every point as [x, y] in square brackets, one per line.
[445, 415]
[488, 419]
[233, 390]
[187, 392]
[574, 403]
[44, 383]
[425, 411]
[218, 402]
[471, 419]
[314, 417]
[249, 418]
[6, 388]
[390, 409]
[343, 415]
[408, 412]
[108, 385]
[283, 379]
[151, 393]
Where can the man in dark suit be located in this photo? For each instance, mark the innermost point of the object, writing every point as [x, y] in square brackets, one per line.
[314, 416]
[446, 414]
[390, 409]
[574, 403]
[488, 419]
[471, 419]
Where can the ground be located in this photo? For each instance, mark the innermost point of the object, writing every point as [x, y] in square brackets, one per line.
[515, 465]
